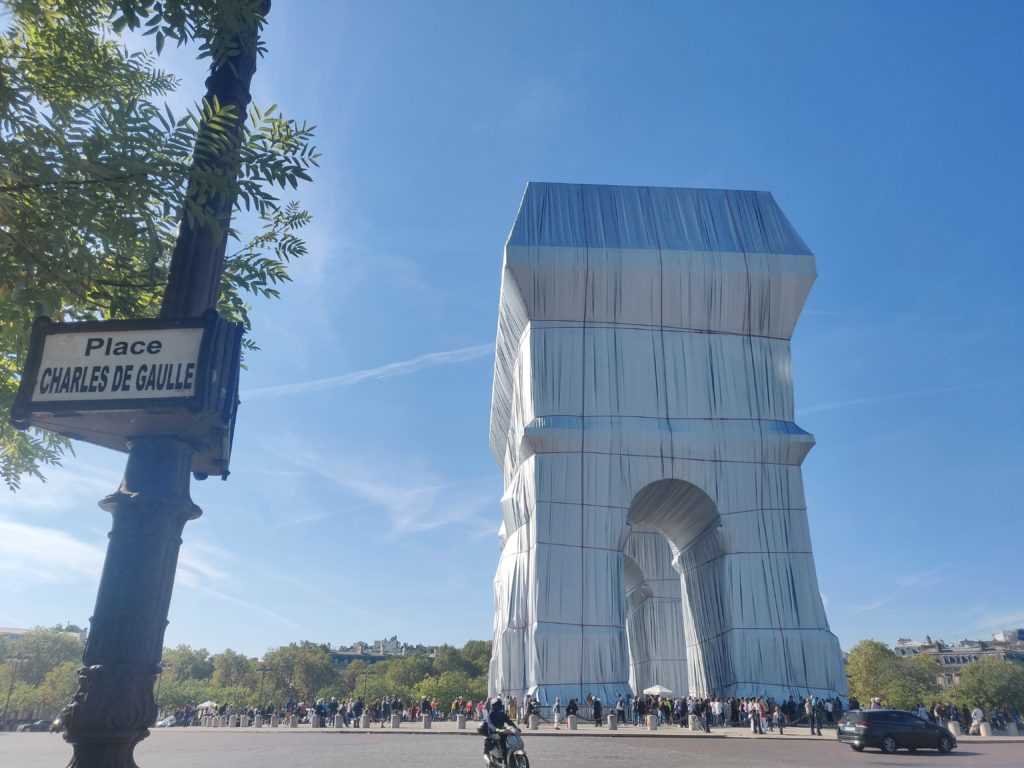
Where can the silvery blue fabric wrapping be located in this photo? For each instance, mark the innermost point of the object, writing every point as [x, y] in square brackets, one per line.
[654, 528]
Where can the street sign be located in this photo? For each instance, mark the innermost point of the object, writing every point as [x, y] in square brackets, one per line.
[111, 381]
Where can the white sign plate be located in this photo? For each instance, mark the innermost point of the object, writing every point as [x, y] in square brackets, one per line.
[118, 365]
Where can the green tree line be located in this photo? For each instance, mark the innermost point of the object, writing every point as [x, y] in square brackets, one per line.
[305, 672]
[874, 670]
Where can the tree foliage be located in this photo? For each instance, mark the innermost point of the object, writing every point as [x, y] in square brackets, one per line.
[874, 670]
[184, 662]
[95, 171]
[991, 683]
[40, 650]
[304, 671]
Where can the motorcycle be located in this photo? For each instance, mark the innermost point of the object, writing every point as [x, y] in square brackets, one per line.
[515, 752]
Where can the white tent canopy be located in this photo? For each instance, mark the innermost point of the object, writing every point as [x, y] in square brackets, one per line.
[657, 690]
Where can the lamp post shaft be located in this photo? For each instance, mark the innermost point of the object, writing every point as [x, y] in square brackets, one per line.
[114, 705]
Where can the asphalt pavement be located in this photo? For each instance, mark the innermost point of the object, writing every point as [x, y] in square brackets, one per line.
[303, 748]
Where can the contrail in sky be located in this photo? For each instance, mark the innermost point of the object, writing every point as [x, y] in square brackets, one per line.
[387, 371]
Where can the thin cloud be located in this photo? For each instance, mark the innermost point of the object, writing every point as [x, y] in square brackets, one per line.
[1005, 621]
[412, 499]
[46, 554]
[388, 371]
[872, 399]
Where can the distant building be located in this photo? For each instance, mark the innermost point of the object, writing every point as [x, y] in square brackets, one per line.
[15, 633]
[952, 658]
[380, 650]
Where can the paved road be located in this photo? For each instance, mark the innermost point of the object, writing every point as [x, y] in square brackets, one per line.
[304, 749]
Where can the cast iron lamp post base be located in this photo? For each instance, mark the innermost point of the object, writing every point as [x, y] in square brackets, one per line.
[114, 706]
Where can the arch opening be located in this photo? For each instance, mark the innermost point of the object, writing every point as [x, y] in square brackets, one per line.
[672, 541]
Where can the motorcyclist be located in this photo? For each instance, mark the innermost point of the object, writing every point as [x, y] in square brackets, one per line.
[497, 724]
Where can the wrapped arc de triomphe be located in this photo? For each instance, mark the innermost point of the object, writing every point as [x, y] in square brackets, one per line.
[654, 528]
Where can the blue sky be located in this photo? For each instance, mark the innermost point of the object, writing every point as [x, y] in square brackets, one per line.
[364, 499]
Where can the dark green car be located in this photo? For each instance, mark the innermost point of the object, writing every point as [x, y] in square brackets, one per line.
[892, 729]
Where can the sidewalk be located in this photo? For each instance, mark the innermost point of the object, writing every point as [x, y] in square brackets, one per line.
[449, 728]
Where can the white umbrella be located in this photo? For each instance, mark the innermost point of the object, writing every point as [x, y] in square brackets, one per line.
[657, 690]
[207, 704]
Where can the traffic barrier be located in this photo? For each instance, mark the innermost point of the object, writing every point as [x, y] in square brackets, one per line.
[613, 723]
[954, 727]
[652, 722]
[460, 721]
[533, 722]
[257, 720]
[396, 721]
[364, 721]
[571, 722]
[986, 729]
[426, 722]
[693, 724]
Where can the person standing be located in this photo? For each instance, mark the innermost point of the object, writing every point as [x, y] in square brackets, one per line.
[778, 719]
[620, 710]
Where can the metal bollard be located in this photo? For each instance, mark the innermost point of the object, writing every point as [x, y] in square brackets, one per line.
[571, 722]
[986, 729]
[693, 724]
[339, 721]
[533, 722]
[396, 721]
[364, 721]
[954, 727]
[426, 722]
[257, 720]
[652, 722]
[613, 723]
[460, 721]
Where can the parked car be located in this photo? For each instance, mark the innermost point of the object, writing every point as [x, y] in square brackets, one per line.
[167, 722]
[892, 729]
[38, 725]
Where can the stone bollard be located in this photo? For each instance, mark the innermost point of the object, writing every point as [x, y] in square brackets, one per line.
[460, 721]
[534, 723]
[293, 721]
[613, 723]
[364, 721]
[692, 722]
[426, 722]
[396, 721]
[986, 729]
[652, 722]
[257, 720]
[274, 721]
[571, 722]
[339, 721]
[558, 720]
[954, 727]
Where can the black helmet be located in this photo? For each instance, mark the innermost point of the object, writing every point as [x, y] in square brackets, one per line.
[497, 705]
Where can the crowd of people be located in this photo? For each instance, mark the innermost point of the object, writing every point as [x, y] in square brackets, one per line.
[761, 714]
[379, 711]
